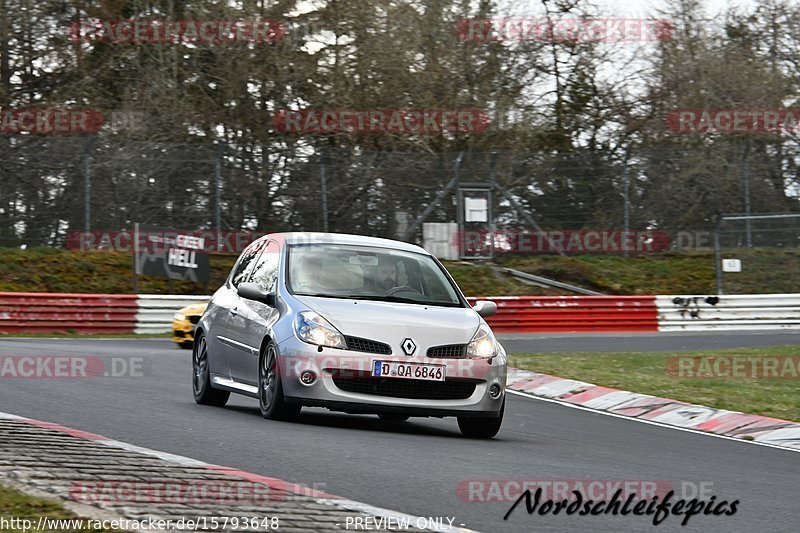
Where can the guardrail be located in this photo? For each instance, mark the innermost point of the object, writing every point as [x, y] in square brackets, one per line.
[728, 312]
[150, 313]
[547, 282]
[41, 312]
[154, 314]
[573, 313]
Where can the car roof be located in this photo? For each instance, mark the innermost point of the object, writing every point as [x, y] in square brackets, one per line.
[293, 238]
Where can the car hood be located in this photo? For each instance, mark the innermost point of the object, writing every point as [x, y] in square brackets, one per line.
[392, 323]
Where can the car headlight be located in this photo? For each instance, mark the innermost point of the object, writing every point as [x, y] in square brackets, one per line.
[314, 329]
[483, 343]
[179, 317]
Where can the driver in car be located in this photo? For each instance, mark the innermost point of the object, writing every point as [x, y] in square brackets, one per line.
[382, 278]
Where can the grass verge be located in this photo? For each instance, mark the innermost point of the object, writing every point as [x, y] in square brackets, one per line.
[56, 270]
[647, 373]
[764, 270]
[17, 505]
[692, 272]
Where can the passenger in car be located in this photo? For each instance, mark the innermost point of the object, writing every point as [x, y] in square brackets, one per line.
[308, 274]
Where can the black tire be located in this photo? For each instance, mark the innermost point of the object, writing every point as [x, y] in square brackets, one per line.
[481, 428]
[186, 345]
[204, 393]
[270, 387]
[392, 418]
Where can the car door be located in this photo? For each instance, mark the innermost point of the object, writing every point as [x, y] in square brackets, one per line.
[229, 304]
[254, 319]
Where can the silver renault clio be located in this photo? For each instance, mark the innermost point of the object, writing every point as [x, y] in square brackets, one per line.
[354, 324]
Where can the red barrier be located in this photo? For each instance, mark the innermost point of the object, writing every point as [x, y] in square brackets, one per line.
[573, 313]
[111, 313]
[31, 312]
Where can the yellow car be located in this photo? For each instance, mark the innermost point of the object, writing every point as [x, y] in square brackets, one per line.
[184, 322]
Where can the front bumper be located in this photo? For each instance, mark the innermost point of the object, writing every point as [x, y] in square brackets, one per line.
[468, 381]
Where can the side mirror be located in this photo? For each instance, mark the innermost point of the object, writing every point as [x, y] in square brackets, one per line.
[252, 291]
[485, 308]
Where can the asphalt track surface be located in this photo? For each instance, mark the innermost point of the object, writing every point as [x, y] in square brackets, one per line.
[416, 467]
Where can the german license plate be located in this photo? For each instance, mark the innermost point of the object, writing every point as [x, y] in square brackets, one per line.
[394, 369]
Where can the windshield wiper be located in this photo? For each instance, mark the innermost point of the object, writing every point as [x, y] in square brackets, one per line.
[399, 299]
[377, 298]
[320, 295]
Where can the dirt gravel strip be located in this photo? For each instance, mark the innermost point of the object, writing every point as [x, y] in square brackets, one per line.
[103, 479]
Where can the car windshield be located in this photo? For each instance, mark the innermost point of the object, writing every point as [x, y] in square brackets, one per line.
[369, 273]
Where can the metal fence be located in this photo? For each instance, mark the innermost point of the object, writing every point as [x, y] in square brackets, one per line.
[54, 185]
[753, 251]
[51, 186]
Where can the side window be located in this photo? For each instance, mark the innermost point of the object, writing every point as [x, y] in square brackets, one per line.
[245, 261]
[266, 270]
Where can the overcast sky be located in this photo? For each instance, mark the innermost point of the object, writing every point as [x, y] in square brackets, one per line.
[630, 8]
[641, 8]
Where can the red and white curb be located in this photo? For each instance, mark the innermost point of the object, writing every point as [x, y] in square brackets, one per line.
[273, 483]
[661, 411]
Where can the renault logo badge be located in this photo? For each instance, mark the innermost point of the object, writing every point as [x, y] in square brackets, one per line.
[408, 347]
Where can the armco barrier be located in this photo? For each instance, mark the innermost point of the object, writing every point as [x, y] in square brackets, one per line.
[40, 312]
[89, 313]
[728, 312]
[573, 313]
[154, 313]
[149, 313]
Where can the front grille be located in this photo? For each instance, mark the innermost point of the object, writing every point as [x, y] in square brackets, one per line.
[448, 351]
[357, 344]
[415, 389]
[194, 319]
[177, 333]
